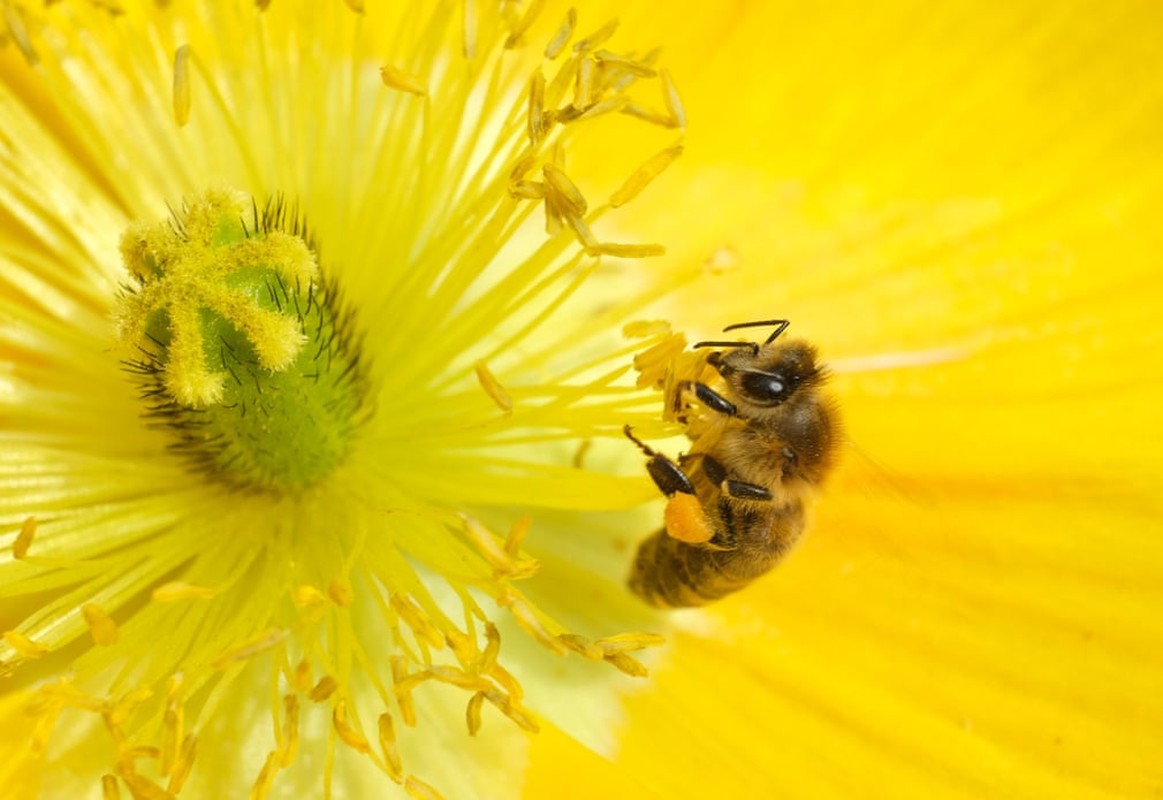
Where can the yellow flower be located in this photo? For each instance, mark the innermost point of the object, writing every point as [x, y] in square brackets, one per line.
[957, 206]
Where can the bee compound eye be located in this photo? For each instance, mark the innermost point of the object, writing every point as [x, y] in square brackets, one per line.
[766, 388]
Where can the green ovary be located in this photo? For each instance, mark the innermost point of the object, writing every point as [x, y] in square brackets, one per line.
[248, 358]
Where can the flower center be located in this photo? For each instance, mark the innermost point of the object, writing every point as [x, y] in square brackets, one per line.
[240, 347]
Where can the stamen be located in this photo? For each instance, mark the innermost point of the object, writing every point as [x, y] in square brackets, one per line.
[24, 646]
[519, 28]
[266, 777]
[646, 173]
[672, 100]
[388, 747]
[180, 590]
[347, 734]
[421, 790]
[493, 387]
[403, 80]
[259, 643]
[101, 626]
[183, 764]
[323, 689]
[182, 85]
[564, 33]
[597, 38]
[24, 538]
[289, 746]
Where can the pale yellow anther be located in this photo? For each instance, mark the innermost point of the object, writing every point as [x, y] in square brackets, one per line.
[306, 596]
[348, 734]
[527, 190]
[630, 65]
[24, 646]
[182, 85]
[183, 764]
[143, 788]
[564, 190]
[266, 777]
[340, 592]
[646, 173]
[629, 642]
[389, 749]
[301, 678]
[472, 713]
[535, 118]
[259, 643]
[526, 616]
[420, 790]
[513, 711]
[289, 746]
[109, 788]
[564, 33]
[507, 682]
[516, 537]
[645, 114]
[519, 26]
[627, 664]
[582, 646]
[597, 38]
[24, 539]
[627, 250]
[417, 620]
[101, 626]
[492, 648]
[608, 106]
[180, 590]
[586, 70]
[323, 689]
[493, 387]
[672, 100]
[403, 81]
[403, 695]
[582, 231]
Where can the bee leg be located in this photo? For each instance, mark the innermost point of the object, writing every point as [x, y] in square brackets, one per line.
[740, 490]
[684, 518]
[667, 475]
[705, 395]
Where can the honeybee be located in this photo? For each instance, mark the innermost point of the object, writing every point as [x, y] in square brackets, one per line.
[761, 438]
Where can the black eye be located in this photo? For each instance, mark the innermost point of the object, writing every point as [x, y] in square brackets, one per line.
[766, 388]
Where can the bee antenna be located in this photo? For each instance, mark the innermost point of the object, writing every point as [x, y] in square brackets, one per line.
[781, 325]
[754, 347]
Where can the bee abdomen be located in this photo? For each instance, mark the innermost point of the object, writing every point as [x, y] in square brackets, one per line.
[669, 573]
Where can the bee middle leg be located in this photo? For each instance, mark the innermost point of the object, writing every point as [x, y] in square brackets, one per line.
[667, 475]
[741, 490]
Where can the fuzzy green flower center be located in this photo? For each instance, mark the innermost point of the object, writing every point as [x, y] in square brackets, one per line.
[240, 347]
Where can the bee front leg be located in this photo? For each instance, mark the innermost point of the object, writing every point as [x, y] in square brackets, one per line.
[705, 395]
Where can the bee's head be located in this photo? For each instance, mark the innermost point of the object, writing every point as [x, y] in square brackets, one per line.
[767, 375]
